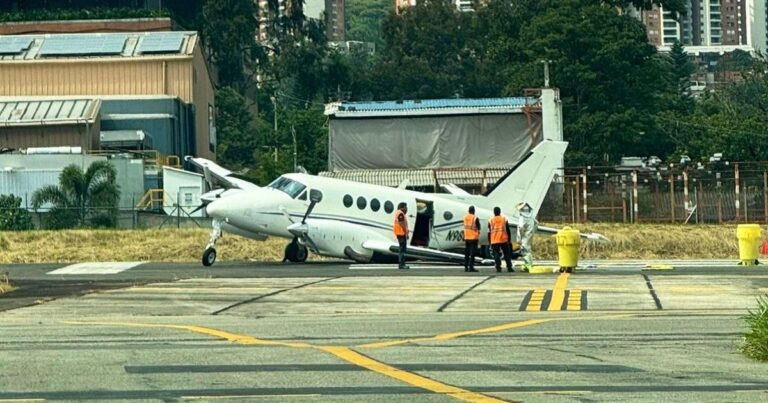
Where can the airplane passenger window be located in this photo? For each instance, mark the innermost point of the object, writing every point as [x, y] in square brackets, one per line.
[389, 207]
[361, 203]
[375, 205]
[447, 215]
[347, 201]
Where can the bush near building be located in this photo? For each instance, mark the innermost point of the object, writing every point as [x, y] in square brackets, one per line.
[12, 216]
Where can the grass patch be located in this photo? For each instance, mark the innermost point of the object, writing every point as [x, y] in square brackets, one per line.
[642, 241]
[756, 340]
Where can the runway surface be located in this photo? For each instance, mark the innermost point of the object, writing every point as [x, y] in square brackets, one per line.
[334, 331]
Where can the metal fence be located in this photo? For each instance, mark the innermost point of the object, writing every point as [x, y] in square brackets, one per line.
[129, 218]
[722, 193]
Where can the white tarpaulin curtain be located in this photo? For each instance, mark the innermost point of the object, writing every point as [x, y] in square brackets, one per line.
[467, 141]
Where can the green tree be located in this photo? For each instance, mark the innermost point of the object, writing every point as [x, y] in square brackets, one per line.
[81, 198]
[682, 67]
[364, 19]
[236, 131]
[12, 216]
[230, 27]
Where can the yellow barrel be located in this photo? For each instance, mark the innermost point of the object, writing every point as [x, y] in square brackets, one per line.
[749, 243]
[568, 240]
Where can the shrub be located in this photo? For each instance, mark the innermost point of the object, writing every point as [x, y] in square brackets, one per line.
[756, 340]
[12, 216]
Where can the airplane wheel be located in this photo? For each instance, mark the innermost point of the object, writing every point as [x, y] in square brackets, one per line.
[295, 253]
[209, 256]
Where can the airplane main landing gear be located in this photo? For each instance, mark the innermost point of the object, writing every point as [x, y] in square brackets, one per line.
[209, 255]
[295, 252]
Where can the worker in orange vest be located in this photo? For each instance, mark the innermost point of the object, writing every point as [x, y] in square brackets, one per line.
[471, 239]
[498, 237]
[400, 227]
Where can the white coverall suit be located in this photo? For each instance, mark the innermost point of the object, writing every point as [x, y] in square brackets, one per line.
[526, 226]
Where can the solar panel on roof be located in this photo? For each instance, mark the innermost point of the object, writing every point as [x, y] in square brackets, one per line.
[14, 45]
[161, 43]
[77, 45]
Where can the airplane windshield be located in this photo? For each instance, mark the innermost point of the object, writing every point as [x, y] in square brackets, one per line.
[289, 186]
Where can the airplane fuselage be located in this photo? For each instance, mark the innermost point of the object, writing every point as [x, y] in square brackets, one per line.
[349, 214]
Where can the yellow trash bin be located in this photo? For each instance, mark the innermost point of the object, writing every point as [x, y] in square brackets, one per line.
[568, 240]
[749, 243]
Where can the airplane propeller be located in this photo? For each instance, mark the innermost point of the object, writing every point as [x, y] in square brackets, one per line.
[301, 229]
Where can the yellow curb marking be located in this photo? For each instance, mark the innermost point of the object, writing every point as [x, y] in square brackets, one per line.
[574, 300]
[410, 378]
[537, 298]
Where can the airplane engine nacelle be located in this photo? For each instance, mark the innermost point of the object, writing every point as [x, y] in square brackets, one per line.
[243, 233]
[341, 239]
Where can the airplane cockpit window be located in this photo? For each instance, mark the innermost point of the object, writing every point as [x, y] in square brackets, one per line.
[303, 195]
[289, 186]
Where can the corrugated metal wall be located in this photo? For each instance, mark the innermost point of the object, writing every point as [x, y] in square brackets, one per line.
[23, 183]
[78, 135]
[135, 76]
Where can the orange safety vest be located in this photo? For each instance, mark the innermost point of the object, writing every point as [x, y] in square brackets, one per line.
[498, 230]
[400, 229]
[471, 232]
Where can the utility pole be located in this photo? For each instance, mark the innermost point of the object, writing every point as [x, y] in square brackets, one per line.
[274, 118]
[546, 72]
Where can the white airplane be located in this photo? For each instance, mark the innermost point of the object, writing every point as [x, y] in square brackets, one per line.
[351, 220]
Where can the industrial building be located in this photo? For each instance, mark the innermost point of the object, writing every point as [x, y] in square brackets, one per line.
[166, 64]
[429, 143]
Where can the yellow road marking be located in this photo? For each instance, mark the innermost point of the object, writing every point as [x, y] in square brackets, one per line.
[455, 335]
[558, 293]
[410, 378]
[536, 300]
[574, 300]
[233, 337]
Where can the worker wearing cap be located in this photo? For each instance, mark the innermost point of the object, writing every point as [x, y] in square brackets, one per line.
[498, 237]
[400, 228]
[471, 239]
[526, 227]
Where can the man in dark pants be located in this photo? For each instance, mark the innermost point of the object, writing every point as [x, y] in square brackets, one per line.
[400, 228]
[498, 237]
[471, 239]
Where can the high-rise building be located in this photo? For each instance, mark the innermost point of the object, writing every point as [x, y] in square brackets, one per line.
[709, 24]
[332, 10]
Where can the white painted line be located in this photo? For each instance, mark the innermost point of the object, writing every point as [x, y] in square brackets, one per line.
[394, 266]
[96, 268]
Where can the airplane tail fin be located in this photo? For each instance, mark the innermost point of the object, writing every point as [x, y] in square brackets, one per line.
[528, 181]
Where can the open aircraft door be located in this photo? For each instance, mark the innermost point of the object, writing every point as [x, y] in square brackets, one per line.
[422, 228]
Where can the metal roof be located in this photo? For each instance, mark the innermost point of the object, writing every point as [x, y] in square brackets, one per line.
[420, 177]
[96, 45]
[22, 112]
[448, 106]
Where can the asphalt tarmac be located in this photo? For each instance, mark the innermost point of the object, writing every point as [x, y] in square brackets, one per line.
[332, 331]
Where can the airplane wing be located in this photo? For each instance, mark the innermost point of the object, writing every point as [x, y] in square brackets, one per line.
[455, 190]
[391, 248]
[591, 236]
[222, 175]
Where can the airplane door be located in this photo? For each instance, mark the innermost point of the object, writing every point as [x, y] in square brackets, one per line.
[422, 229]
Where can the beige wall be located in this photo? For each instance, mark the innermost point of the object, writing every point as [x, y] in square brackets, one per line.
[137, 76]
[204, 95]
[73, 135]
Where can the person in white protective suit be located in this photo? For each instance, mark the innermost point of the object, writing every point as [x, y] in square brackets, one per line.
[526, 226]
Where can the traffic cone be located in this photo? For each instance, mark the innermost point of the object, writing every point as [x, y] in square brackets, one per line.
[764, 248]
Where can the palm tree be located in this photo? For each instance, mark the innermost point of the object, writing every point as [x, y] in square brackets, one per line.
[81, 198]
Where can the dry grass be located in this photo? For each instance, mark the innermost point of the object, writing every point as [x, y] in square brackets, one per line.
[186, 245]
[5, 284]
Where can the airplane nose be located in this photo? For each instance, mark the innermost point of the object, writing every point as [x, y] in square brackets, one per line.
[213, 209]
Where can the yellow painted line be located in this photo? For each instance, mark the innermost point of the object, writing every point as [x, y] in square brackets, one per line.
[536, 300]
[574, 300]
[410, 378]
[455, 335]
[558, 293]
[221, 334]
